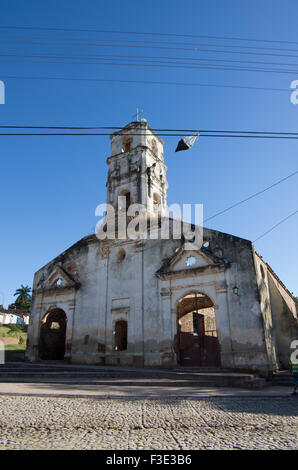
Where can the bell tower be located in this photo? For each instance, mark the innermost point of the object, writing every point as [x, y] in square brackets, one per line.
[136, 168]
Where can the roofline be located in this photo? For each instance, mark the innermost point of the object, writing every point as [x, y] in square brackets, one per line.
[83, 241]
[276, 276]
[93, 238]
[143, 124]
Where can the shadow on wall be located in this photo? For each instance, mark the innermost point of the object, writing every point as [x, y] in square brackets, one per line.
[285, 325]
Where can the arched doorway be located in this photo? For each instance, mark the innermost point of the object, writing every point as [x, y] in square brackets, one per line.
[52, 335]
[198, 343]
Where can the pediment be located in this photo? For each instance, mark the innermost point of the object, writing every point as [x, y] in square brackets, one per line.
[58, 279]
[190, 259]
[190, 262]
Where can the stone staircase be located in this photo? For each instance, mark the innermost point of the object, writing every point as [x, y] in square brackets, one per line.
[283, 377]
[59, 372]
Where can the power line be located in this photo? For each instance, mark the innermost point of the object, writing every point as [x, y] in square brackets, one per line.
[149, 82]
[156, 59]
[218, 213]
[96, 134]
[276, 225]
[269, 133]
[245, 136]
[192, 67]
[252, 196]
[143, 33]
[195, 48]
[192, 49]
[99, 42]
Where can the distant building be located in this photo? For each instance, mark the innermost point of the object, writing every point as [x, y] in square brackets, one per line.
[14, 317]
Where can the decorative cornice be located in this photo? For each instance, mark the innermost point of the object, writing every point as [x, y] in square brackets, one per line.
[190, 272]
[58, 289]
[134, 151]
[142, 124]
[169, 263]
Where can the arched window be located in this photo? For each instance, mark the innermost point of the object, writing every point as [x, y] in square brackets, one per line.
[154, 146]
[156, 200]
[126, 194]
[121, 335]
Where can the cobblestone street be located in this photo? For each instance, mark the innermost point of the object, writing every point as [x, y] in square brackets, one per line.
[176, 423]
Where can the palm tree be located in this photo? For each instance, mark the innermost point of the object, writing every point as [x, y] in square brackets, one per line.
[24, 298]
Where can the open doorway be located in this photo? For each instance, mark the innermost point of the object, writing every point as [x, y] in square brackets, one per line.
[121, 335]
[52, 335]
[198, 343]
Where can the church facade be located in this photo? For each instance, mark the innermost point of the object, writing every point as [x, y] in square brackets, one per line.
[156, 302]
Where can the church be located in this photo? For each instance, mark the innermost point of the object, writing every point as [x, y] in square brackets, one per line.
[157, 302]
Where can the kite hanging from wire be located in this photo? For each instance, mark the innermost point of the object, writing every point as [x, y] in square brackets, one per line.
[187, 142]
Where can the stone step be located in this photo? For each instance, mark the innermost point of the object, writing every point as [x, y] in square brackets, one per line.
[114, 372]
[61, 372]
[120, 374]
[282, 379]
[65, 366]
[202, 382]
[110, 372]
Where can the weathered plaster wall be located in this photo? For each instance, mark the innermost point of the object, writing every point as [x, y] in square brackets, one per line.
[241, 329]
[112, 290]
[265, 306]
[47, 295]
[285, 321]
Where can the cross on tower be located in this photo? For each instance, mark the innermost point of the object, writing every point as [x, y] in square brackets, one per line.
[138, 113]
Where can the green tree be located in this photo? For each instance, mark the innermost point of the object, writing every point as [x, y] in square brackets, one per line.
[23, 300]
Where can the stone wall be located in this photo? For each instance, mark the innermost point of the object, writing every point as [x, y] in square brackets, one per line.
[285, 321]
[103, 288]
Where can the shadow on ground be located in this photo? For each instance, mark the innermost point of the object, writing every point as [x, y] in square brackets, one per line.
[240, 401]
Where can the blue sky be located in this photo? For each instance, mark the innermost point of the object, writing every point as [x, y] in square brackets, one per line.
[50, 186]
